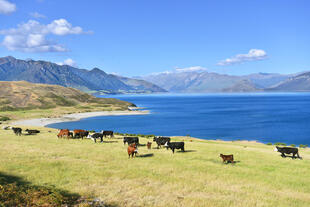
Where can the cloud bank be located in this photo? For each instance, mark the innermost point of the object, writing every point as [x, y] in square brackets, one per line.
[252, 55]
[7, 7]
[31, 36]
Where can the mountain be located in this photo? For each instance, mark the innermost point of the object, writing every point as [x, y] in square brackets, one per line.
[266, 80]
[140, 85]
[12, 69]
[298, 83]
[21, 94]
[200, 82]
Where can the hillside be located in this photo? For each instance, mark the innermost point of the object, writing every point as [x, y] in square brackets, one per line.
[199, 82]
[12, 69]
[299, 83]
[156, 177]
[21, 98]
[141, 85]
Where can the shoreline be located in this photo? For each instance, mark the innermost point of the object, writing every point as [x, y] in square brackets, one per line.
[43, 122]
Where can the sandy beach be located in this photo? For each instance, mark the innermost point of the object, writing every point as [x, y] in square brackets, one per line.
[41, 122]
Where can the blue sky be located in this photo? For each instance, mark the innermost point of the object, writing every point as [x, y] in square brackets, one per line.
[138, 37]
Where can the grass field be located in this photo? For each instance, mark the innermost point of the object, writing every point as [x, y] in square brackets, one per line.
[197, 177]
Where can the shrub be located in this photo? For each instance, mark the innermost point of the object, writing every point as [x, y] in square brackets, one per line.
[269, 143]
[4, 118]
[280, 143]
[303, 145]
[292, 145]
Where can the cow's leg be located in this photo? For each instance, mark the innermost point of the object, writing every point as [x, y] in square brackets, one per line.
[298, 155]
[173, 150]
[182, 149]
[101, 139]
[283, 155]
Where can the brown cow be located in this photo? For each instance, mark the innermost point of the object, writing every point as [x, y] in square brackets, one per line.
[63, 132]
[132, 150]
[227, 158]
[149, 144]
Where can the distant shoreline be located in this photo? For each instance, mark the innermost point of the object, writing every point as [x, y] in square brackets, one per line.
[42, 122]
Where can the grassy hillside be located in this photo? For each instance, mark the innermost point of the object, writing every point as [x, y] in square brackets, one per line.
[21, 99]
[158, 177]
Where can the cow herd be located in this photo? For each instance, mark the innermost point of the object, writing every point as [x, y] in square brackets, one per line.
[19, 131]
[133, 142]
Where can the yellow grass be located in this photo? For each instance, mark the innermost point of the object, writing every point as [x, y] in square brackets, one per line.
[158, 177]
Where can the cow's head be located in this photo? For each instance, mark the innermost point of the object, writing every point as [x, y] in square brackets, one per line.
[221, 155]
[166, 145]
[277, 149]
[89, 136]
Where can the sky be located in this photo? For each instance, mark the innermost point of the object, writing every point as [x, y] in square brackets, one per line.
[140, 37]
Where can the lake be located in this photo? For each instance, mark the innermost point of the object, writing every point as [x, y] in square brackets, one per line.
[265, 117]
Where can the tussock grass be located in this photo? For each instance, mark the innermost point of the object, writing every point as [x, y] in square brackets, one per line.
[197, 177]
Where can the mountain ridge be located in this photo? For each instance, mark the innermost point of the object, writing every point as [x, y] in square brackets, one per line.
[95, 80]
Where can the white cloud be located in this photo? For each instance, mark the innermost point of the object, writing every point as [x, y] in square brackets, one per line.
[191, 69]
[182, 70]
[7, 7]
[37, 15]
[68, 61]
[252, 55]
[31, 36]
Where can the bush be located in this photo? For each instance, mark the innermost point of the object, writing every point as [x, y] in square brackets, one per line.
[4, 118]
[269, 143]
[280, 143]
[292, 145]
[303, 145]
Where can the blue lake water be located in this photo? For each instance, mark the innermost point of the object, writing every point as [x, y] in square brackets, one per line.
[262, 117]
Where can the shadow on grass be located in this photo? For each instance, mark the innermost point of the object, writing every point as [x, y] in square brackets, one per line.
[186, 151]
[109, 142]
[146, 155]
[15, 191]
[235, 162]
[291, 156]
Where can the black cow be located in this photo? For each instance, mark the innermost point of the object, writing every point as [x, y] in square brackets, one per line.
[96, 136]
[131, 140]
[81, 134]
[107, 133]
[287, 150]
[161, 141]
[32, 131]
[175, 145]
[17, 131]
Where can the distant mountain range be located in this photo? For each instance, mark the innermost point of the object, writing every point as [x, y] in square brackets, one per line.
[95, 80]
[208, 82]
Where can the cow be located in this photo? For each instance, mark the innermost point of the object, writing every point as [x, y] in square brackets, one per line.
[17, 131]
[32, 131]
[96, 136]
[64, 132]
[287, 150]
[80, 133]
[227, 158]
[107, 133]
[175, 145]
[149, 145]
[132, 150]
[131, 140]
[161, 141]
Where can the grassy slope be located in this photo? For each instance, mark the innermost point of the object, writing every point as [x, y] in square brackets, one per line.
[194, 178]
[21, 99]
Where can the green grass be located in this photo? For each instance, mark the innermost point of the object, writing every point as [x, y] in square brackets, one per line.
[159, 178]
